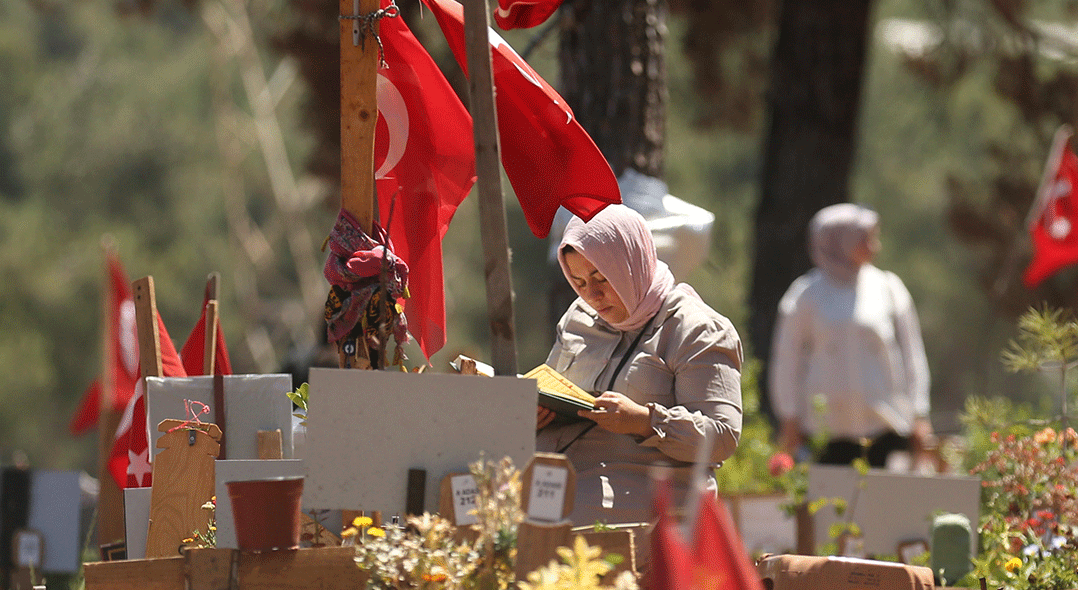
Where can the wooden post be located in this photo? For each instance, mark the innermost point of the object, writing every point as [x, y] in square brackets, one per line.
[491, 206]
[110, 503]
[209, 356]
[149, 335]
[359, 111]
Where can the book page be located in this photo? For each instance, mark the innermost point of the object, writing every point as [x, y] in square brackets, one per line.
[551, 381]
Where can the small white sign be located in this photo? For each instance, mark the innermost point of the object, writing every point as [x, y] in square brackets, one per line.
[28, 549]
[547, 495]
[465, 493]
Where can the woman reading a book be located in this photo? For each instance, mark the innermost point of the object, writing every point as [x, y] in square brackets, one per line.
[665, 368]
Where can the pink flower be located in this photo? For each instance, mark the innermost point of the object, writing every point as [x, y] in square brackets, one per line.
[780, 463]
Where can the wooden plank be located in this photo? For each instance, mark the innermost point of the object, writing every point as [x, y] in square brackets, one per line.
[183, 480]
[209, 353]
[327, 568]
[136, 574]
[542, 542]
[330, 568]
[110, 503]
[359, 114]
[492, 224]
[211, 569]
[149, 337]
[269, 444]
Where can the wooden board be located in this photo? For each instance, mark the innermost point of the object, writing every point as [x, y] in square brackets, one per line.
[366, 429]
[183, 476]
[325, 569]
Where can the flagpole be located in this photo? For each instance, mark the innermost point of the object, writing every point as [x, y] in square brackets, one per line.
[492, 223]
[110, 513]
[1059, 143]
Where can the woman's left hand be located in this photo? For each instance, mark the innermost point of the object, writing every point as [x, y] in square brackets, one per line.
[617, 413]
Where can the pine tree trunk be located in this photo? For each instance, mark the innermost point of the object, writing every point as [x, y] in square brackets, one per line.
[817, 70]
[613, 75]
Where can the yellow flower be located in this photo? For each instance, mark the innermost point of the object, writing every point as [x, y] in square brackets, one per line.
[349, 532]
[1013, 565]
[362, 521]
[376, 532]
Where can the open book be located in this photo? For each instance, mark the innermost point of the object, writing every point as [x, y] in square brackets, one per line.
[560, 394]
[555, 391]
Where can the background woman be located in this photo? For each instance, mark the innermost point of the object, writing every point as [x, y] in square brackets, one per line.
[848, 360]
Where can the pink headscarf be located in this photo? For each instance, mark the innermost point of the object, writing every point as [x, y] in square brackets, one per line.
[834, 233]
[619, 244]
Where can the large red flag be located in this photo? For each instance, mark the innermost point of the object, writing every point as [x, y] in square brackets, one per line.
[193, 353]
[1053, 225]
[129, 462]
[425, 163]
[721, 562]
[523, 14]
[548, 157]
[122, 351]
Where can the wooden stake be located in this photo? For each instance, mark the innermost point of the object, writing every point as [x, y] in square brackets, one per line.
[359, 112]
[149, 336]
[209, 354]
[491, 206]
[110, 504]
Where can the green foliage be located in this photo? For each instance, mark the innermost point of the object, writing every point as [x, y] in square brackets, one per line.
[1047, 338]
[300, 397]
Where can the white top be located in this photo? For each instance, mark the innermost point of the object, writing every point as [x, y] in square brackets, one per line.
[855, 348]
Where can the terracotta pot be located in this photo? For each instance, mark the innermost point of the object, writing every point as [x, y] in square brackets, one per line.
[266, 512]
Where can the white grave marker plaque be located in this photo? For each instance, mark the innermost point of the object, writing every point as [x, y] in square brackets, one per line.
[366, 429]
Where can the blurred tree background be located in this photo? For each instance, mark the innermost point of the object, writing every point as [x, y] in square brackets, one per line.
[194, 134]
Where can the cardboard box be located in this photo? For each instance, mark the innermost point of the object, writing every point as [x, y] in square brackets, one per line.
[804, 572]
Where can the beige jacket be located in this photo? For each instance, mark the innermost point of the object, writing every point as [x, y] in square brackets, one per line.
[686, 370]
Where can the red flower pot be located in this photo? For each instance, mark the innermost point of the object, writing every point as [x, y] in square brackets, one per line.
[266, 512]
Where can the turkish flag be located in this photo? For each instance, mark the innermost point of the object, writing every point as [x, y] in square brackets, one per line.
[721, 562]
[425, 163]
[1054, 227]
[193, 353]
[671, 563]
[548, 157]
[122, 352]
[129, 462]
[521, 14]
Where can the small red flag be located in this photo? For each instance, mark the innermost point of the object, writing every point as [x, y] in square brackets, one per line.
[129, 462]
[721, 562]
[548, 157]
[425, 162]
[671, 563]
[523, 14]
[122, 351]
[193, 353]
[1053, 225]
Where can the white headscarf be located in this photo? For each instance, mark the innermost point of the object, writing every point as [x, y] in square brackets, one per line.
[835, 232]
[619, 244]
